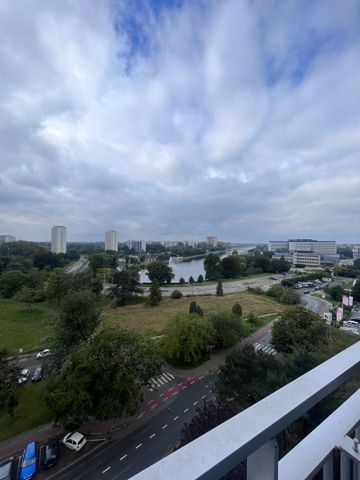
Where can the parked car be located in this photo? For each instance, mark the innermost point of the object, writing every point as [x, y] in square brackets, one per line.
[24, 376]
[43, 354]
[38, 374]
[29, 461]
[7, 469]
[306, 291]
[50, 453]
[74, 440]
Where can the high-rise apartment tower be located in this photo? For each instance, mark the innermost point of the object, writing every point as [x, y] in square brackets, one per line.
[58, 239]
[111, 240]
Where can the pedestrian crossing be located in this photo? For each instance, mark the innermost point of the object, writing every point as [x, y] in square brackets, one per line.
[159, 381]
[264, 348]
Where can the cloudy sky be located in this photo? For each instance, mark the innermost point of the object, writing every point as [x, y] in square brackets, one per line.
[167, 119]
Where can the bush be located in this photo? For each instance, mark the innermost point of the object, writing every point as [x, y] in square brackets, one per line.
[237, 310]
[228, 329]
[219, 289]
[284, 295]
[253, 319]
[195, 309]
[175, 294]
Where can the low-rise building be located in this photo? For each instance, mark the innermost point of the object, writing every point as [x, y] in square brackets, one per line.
[356, 252]
[212, 241]
[7, 239]
[305, 257]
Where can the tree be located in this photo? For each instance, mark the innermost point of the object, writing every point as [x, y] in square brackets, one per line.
[200, 278]
[335, 292]
[11, 282]
[155, 294]
[191, 280]
[228, 329]
[182, 280]
[253, 319]
[212, 266]
[102, 260]
[195, 309]
[59, 285]
[297, 328]
[355, 292]
[237, 310]
[176, 294]
[28, 295]
[233, 266]
[160, 271]
[219, 289]
[104, 378]
[8, 383]
[125, 286]
[188, 338]
[78, 320]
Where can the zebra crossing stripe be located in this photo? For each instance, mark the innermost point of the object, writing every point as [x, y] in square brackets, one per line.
[167, 376]
[257, 346]
[160, 381]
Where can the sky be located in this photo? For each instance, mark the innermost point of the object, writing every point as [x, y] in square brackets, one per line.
[180, 119]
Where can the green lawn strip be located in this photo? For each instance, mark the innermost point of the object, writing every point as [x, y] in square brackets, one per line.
[152, 320]
[24, 328]
[30, 413]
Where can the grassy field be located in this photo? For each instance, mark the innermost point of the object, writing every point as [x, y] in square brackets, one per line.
[152, 320]
[23, 328]
[31, 412]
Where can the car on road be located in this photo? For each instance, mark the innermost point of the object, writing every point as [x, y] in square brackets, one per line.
[29, 461]
[38, 374]
[24, 376]
[7, 469]
[74, 440]
[306, 291]
[50, 453]
[43, 354]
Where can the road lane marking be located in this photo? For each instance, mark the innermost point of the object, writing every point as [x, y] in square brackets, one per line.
[175, 418]
[153, 406]
[164, 426]
[185, 386]
[164, 399]
[204, 396]
[138, 446]
[174, 393]
[152, 436]
[202, 376]
[186, 410]
[123, 457]
[106, 469]
[141, 415]
[206, 386]
[195, 403]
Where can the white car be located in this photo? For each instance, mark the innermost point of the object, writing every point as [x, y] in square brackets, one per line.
[43, 354]
[24, 376]
[74, 440]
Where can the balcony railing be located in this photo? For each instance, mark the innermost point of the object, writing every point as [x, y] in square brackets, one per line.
[252, 434]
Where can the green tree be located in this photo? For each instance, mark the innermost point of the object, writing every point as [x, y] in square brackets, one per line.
[297, 328]
[219, 289]
[191, 280]
[125, 286]
[176, 294]
[195, 309]
[335, 292]
[11, 282]
[237, 310]
[228, 329]
[102, 260]
[212, 266]
[155, 294]
[355, 292]
[200, 278]
[8, 384]
[188, 338]
[253, 319]
[233, 266]
[105, 377]
[182, 281]
[160, 271]
[59, 285]
[28, 295]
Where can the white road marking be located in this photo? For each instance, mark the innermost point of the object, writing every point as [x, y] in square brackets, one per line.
[167, 376]
[204, 396]
[138, 446]
[153, 406]
[164, 399]
[106, 469]
[195, 403]
[192, 382]
[206, 386]
[185, 386]
[123, 457]
[174, 393]
[186, 410]
[171, 375]
[175, 418]
[152, 436]
[164, 426]
[141, 415]
[161, 381]
[202, 376]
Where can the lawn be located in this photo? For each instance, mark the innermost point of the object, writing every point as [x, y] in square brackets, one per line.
[31, 412]
[152, 320]
[23, 328]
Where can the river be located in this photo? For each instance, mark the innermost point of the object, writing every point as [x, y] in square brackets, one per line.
[189, 268]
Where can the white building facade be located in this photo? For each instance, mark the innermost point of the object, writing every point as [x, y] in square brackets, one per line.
[137, 245]
[212, 240]
[278, 246]
[7, 239]
[58, 239]
[323, 247]
[111, 240]
[356, 252]
[307, 258]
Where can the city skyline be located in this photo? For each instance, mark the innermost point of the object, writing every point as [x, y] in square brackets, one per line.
[247, 127]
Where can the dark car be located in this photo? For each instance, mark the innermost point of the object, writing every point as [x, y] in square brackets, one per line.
[38, 374]
[29, 461]
[7, 469]
[50, 453]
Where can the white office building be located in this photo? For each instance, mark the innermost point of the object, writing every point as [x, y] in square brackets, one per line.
[323, 247]
[7, 239]
[111, 241]
[356, 252]
[137, 245]
[306, 258]
[212, 240]
[278, 246]
[58, 239]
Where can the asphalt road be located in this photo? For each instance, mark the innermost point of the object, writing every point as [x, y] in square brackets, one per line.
[143, 443]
